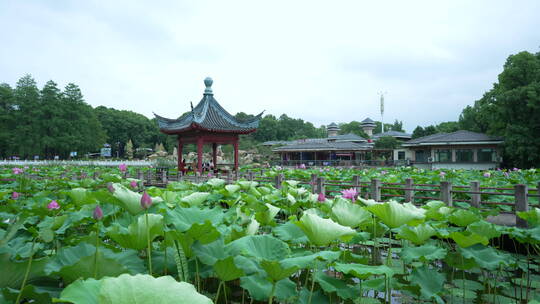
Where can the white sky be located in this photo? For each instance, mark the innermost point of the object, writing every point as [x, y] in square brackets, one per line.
[322, 61]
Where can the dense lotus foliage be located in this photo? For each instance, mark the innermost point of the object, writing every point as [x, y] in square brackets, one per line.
[111, 240]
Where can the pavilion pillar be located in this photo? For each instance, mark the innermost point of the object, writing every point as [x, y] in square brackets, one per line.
[214, 155]
[199, 154]
[235, 144]
[180, 148]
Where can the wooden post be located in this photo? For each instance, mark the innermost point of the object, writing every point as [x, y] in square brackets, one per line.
[313, 183]
[320, 185]
[522, 204]
[446, 193]
[356, 184]
[250, 175]
[376, 190]
[199, 154]
[96, 175]
[475, 198]
[197, 177]
[140, 175]
[180, 148]
[279, 180]
[409, 194]
[149, 176]
[228, 180]
[236, 155]
[164, 177]
[214, 157]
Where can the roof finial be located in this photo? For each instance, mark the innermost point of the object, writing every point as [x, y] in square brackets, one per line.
[208, 83]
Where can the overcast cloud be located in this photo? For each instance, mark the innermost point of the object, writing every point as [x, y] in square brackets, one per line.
[322, 61]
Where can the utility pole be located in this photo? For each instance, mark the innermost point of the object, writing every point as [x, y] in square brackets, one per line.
[382, 110]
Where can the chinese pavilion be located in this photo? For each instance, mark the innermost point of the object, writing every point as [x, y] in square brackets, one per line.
[207, 123]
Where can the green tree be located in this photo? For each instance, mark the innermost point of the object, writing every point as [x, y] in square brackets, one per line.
[354, 127]
[397, 126]
[8, 109]
[26, 140]
[511, 110]
[387, 142]
[129, 149]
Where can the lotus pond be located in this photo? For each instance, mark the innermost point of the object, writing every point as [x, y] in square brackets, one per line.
[110, 240]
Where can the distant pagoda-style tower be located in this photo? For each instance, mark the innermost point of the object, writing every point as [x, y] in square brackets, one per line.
[207, 123]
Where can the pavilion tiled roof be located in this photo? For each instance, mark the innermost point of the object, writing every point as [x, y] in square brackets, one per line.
[208, 115]
[393, 134]
[460, 136]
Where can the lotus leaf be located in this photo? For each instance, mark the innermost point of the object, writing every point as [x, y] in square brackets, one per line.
[418, 234]
[195, 198]
[394, 214]
[322, 232]
[348, 214]
[364, 271]
[135, 236]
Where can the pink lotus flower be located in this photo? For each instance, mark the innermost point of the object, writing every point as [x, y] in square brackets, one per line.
[98, 213]
[209, 174]
[133, 184]
[350, 194]
[15, 195]
[515, 169]
[122, 167]
[383, 172]
[442, 174]
[17, 170]
[487, 174]
[321, 198]
[146, 201]
[53, 205]
[302, 166]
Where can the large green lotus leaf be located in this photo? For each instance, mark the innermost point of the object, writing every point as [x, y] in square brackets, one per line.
[78, 196]
[265, 217]
[468, 239]
[331, 284]
[424, 253]
[394, 214]
[265, 247]
[216, 182]
[13, 271]
[531, 216]
[486, 257]
[289, 232]
[275, 271]
[232, 188]
[364, 271]
[204, 233]
[316, 297]
[431, 282]
[210, 253]
[81, 292]
[247, 184]
[226, 270]
[196, 198]
[484, 229]
[322, 232]
[437, 210]
[170, 197]
[308, 260]
[183, 218]
[259, 288]
[129, 200]
[418, 234]
[463, 217]
[136, 235]
[72, 263]
[133, 289]
[348, 214]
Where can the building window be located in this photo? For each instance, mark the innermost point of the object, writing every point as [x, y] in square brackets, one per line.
[401, 155]
[443, 155]
[421, 156]
[464, 155]
[486, 155]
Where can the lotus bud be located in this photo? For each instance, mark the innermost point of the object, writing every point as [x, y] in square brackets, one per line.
[53, 205]
[15, 195]
[17, 171]
[98, 213]
[146, 201]
[487, 174]
[122, 167]
[110, 187]
[133, 184]
[321, 197]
